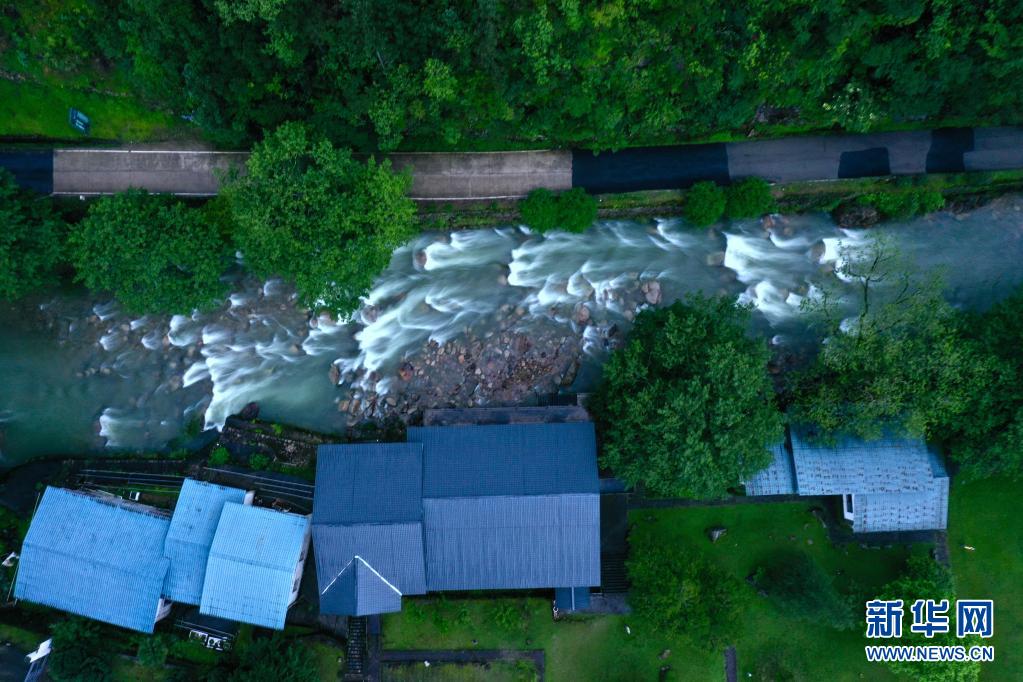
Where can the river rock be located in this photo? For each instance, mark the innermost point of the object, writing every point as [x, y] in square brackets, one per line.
[582, 315]
[335, 374]
[406, 371]
[652, 292]
[716, 259]
[851, 214]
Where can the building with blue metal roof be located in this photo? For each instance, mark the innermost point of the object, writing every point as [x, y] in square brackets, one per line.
[891, 484]
[255, 565]
[131, 562]
[190, 536]
[511, 506]
[96, 557]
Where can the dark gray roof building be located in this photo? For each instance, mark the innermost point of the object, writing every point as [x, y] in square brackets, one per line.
[512, 506]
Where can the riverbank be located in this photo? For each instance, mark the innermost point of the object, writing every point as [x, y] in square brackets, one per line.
[962, 192]
[461, 318]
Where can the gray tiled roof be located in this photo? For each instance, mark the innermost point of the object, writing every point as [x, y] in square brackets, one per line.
[889, 465]
[359, 590]
[507, 459]
[190, 536]
[778, 478]
[879, 512]
[94, 558]
[369, 483]
[395, 550]
[508, 542]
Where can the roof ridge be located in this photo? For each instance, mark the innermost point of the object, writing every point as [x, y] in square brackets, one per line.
[367, 565]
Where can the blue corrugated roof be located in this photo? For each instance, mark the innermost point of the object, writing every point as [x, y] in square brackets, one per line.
[190, 536]
[98, 559]
[506, 542]
[369, 483]
[394, 550]
[507, 459]
[250, 572]
[359, 590]
[502, 507]
[888, 465]
[778, 478]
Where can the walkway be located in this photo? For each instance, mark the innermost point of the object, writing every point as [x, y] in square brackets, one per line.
[503, 175]
[465, 656]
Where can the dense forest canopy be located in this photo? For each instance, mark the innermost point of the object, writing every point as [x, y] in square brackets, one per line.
[460, 73]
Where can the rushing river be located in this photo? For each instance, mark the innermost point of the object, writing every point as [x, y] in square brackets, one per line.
[79, 375]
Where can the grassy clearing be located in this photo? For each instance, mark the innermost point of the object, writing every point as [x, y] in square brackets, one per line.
[771, 639]
[600, 647]
[985, 515]
[40, 110]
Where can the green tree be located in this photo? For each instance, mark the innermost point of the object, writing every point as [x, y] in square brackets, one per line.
[539, 210]
[925, 578]
[79, 652]
[311, 213]
[154, 253]
[576, 210]
[704, 203]
[687, 407]
[985, 438]
[800, 588]
[677, 591]
[900, 360]
[749, 198]
[31, 240]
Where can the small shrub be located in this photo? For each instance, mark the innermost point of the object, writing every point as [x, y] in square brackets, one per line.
[576, 210]
[705, 203]
[220, 456]
[259, 462]
[539, 210]
[749, 198]
[506, 616]
[277, 429]
[152, 651]
[931, 200]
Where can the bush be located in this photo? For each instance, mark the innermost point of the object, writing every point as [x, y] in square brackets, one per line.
[704, 204]
[539, 210]
[152, 651]
[800, 588]
[259, 462]
[576, 210]
[902, 204]
[220, 456]
[154, 253]
[30, 242]
[666, 410]
[749, 198]
[572, 211]
[680, 592]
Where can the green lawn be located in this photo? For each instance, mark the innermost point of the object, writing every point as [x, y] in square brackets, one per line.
[600, 648]
[450, 672]
[985, 515]
[35, 110]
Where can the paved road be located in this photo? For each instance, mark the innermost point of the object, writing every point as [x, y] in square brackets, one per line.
[485, 176]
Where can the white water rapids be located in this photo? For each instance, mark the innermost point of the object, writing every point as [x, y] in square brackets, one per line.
[80, 374]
